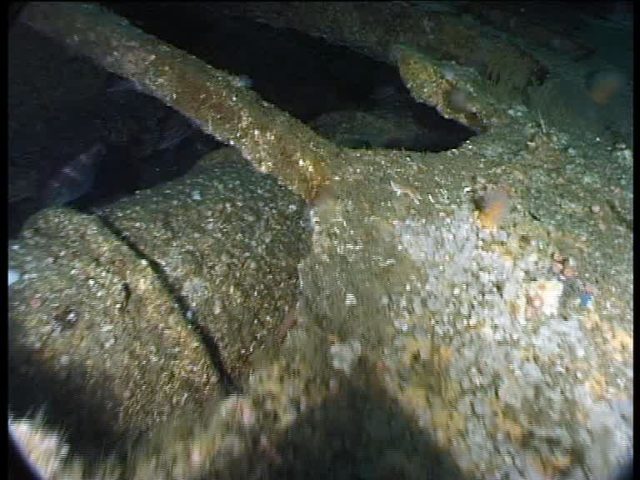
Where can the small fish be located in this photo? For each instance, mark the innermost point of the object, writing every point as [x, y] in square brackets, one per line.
[383, 92]
[165, 134]
[75, 178]
[174, 129]
[391, 99]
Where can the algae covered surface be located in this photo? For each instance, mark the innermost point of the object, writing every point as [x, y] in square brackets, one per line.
[293, 308]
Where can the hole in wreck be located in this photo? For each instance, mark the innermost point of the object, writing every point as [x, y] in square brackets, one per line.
[321, 84]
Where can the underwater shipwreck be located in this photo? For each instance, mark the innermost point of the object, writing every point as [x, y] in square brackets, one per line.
[320, 240]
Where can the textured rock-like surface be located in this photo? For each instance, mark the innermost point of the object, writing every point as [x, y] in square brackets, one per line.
[228, 239]
[94, 336]
[125, 318]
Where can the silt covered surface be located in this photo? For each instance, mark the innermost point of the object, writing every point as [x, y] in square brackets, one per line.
[467, 313]
[86, 340]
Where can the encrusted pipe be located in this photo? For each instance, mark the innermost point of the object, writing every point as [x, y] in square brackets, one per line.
[215, 100]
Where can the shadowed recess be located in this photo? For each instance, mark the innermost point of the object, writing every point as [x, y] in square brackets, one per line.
[304, 76]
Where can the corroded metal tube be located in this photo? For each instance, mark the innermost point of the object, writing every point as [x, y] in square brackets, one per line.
[272, 140]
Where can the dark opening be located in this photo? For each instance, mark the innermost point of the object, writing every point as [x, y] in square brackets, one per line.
[304, 76]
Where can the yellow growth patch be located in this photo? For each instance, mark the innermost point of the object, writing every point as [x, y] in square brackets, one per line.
[592, 320]
[414, 399]
[621, 340]
[449, 422]
[511, 428]
[443, 357]
[556, 464]
[597, 385]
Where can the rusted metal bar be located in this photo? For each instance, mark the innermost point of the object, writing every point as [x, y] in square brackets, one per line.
[215, 100]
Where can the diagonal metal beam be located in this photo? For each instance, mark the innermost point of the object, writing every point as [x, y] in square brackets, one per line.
[215, 100]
